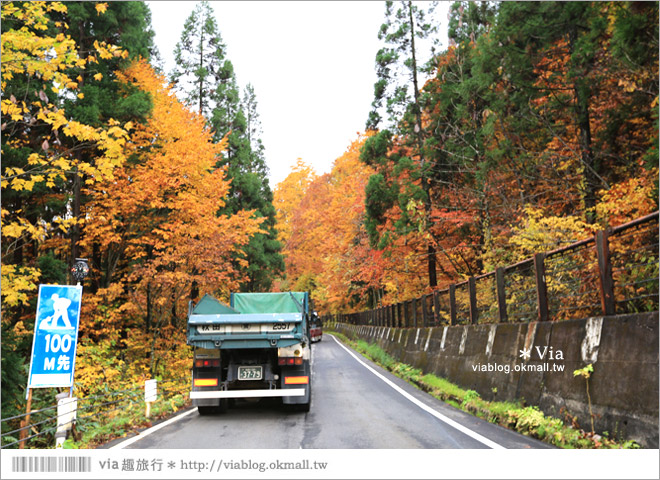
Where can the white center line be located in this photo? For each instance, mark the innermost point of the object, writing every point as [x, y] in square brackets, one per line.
[479, 438]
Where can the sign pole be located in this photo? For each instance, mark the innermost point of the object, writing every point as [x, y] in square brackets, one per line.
[53, 358]
[73, 366]
[26, 421]
[79, 271]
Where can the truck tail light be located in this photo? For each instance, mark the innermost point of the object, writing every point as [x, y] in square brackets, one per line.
[205, 382]
[289, 361]
[207, 363]
[296, 380]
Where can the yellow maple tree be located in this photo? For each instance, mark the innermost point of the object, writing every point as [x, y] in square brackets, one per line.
[157, 223]
[42, 59]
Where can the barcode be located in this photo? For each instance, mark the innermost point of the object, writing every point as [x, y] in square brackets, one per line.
[51, 464]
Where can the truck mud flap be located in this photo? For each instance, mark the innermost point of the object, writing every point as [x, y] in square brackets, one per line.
[296, 378]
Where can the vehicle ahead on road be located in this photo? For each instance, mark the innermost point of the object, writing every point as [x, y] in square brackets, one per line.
[315, 328]
[257, 347]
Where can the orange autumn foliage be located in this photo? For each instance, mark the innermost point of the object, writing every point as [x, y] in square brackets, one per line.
[326, 250]
[287, 197]
[175, 189]
[158, 224]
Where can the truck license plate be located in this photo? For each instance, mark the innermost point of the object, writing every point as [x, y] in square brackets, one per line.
[249, 373]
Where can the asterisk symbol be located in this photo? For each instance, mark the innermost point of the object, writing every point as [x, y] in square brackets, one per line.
[525, 354]
[171, 464]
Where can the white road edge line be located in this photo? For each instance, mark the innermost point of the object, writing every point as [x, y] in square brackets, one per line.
[153, 429]
[479, 438]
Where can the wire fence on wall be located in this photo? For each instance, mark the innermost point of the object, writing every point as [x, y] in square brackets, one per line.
[98, 413]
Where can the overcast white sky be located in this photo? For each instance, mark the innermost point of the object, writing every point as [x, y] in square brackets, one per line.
[311, 65]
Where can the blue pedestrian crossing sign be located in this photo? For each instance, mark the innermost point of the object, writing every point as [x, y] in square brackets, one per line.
[55, 336]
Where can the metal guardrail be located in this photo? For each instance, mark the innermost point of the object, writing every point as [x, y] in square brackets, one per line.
[614, 272]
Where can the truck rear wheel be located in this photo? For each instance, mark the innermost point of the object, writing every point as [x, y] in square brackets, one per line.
[206, 410]
[303, 407]
[210, 410]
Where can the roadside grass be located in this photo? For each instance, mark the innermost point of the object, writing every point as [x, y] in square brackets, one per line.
[527, 420]
[103, 427]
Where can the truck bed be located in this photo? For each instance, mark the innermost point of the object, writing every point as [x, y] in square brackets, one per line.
[252, 330]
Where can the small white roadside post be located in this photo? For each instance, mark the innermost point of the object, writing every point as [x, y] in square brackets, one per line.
[66, 415]
[150, 395]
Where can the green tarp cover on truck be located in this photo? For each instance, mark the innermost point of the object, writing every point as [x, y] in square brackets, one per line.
[209, 305]
[285, 302]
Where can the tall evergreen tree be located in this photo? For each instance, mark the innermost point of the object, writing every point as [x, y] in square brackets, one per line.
[458, 129]
[469, 20]
[634, 46]
[199, 60]
[127, 25]
[206, 79]
[398, 68]
[264, 250]
[253, 125]
[398, 64]
[525, 44]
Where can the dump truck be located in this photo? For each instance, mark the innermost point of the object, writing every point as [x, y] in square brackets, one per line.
[257, 347]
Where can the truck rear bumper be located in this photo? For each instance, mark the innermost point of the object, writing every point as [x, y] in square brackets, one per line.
[287, 392]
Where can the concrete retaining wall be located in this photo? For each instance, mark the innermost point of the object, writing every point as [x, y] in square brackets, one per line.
[535, 362]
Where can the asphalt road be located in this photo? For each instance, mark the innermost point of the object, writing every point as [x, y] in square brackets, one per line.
[355, 404]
